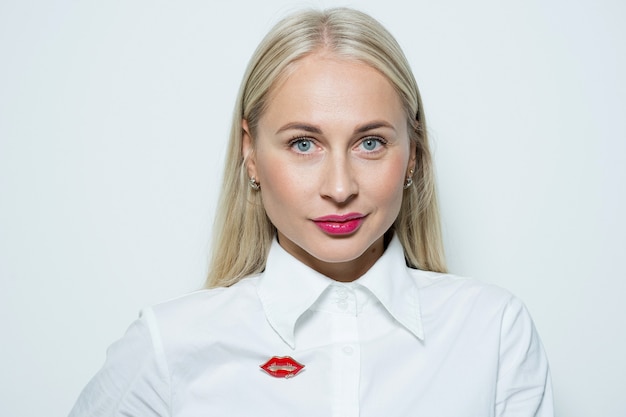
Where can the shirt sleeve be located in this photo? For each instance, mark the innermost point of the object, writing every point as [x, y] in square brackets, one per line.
[524, 387]
[134, 380]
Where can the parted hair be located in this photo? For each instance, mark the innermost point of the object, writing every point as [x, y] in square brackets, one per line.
[242, 231]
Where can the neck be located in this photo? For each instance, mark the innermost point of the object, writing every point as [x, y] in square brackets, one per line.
[347, 271]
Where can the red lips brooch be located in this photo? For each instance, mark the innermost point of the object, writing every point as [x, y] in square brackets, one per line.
[282, 367]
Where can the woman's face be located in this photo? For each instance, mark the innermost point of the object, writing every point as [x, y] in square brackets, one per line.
[331, 153]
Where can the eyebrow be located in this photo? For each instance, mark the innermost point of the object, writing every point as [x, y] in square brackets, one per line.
[374, 125]
[315, 129]
[300, 126]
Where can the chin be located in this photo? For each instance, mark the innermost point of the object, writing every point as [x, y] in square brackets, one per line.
[337, 258]
[339, 251]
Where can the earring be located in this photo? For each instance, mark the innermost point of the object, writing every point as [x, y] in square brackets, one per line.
[409, 180]
[254, 184]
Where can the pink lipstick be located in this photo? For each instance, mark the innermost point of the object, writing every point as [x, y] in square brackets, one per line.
[340, 224]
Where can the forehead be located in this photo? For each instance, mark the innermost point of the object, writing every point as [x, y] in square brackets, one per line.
[323, 86]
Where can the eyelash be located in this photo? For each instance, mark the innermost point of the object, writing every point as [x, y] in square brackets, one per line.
[295, 140]
[378, 139]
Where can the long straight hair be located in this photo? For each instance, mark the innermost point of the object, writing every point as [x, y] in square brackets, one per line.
[242, 231]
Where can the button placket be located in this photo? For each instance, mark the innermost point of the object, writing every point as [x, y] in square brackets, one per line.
[347, 359]
[342, 298]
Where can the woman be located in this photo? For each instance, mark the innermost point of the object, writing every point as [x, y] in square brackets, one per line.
[329, 294]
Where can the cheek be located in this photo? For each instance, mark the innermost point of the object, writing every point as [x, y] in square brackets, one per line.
[273, 174]
[390, 192]
[282, 186]
[388, 180]
[388, 188]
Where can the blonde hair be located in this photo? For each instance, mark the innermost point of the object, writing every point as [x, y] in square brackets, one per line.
[243, 232]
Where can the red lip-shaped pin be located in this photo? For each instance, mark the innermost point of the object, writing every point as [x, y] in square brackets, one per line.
[282, 367]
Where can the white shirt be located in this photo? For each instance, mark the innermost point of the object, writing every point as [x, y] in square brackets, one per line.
[396, 342]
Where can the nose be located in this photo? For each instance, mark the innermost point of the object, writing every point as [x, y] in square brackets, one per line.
[338, 182]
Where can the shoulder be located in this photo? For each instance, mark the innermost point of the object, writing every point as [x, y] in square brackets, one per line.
[185, 326]
[442, 291]
[207, 307]
[445, 284]
[163, 342]
[493, 328]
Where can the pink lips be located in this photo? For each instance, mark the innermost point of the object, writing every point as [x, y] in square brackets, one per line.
[340, 224]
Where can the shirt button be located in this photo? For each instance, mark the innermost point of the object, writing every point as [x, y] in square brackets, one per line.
[348, 350]
[342, 304]
[342, 293]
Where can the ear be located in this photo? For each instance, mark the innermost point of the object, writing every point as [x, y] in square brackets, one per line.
[247, 150]
[412, 157]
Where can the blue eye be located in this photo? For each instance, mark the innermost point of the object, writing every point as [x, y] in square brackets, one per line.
[371, 144]
[303, 145]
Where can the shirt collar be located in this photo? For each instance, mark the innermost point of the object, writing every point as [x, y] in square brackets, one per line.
[288, 288]
[390, 281]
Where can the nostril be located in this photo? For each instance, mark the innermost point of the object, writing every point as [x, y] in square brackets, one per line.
[339, 183]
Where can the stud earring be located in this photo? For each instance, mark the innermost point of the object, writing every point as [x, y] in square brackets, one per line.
[409, 180]
[254, 184]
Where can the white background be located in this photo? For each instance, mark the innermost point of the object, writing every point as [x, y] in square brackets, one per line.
[113, 122]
